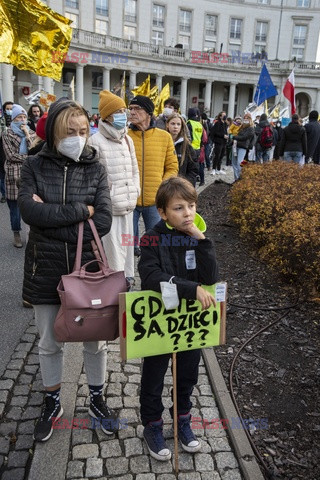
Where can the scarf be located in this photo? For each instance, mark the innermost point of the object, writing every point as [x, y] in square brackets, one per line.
[15, 127]
[108, 131]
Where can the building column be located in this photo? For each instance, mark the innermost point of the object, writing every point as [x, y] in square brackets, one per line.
[48, 85]
[132, 80]
[106, 78]
[232, 99]
[79, 83]
[159, 81]
[183, 95]
[7, 83]
[317, 102]
[207, 97]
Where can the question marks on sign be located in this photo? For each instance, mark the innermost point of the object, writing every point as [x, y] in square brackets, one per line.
[176, 337]
[203, 336]
[189, 336]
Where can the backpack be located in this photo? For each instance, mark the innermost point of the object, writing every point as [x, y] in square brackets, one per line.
[266, 137]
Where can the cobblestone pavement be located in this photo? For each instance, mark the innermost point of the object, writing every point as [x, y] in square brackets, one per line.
[86, 453]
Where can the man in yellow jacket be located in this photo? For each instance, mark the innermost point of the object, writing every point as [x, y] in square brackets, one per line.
[157, 160]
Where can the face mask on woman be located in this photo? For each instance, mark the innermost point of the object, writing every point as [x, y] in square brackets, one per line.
[119, 120]
[91, 124]
[72, 147]
[246, 121]
[167, 111]
[9, 112]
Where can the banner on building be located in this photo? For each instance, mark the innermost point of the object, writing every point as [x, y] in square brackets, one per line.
[30, 33]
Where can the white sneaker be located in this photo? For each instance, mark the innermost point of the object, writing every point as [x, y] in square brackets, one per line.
[221, 172]
[213, 172]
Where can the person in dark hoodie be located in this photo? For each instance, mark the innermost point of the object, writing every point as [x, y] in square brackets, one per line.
[294, 141]
[63, 185]
[188, 262]
[313, 134]
[219, 137]
[265, 139]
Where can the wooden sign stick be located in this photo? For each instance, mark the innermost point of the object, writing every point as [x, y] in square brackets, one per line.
[175, 414]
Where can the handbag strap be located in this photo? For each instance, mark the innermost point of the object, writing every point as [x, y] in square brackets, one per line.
[77, 263]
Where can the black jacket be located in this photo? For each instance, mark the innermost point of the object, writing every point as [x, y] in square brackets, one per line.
[313, 136]
[158, 263]
[66, 188]
[218, 131]
[245, 137]
[294, 139]
[190, 167]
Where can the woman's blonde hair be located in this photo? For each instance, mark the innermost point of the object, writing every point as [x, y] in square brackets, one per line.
[246, 125]
[62, 121]
[182, 134]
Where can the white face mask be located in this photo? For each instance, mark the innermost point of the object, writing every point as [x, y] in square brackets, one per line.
[72, 147]
[167, 111]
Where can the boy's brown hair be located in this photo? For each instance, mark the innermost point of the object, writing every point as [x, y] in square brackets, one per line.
[175, 187]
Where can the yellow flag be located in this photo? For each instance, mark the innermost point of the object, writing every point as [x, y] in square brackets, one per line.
[154, 94]
[275, 113]
[164, 95]
[266, 107]
[143, 89]
[33, 37]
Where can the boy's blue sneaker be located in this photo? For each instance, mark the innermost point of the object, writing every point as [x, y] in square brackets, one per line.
[153, 435]
[186, 436]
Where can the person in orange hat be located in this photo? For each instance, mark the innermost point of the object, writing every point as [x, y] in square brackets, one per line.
[115, 150]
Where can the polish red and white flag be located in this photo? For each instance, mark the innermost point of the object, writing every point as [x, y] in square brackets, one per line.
[288, 92]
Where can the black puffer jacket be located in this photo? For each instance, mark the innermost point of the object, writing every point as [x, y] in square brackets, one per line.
[313, 135]
[294, 139]
[66, 188]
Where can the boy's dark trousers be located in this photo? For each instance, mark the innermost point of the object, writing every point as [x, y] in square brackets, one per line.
[153, 372]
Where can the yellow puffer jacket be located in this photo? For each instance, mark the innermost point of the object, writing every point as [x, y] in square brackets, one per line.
[157, 160]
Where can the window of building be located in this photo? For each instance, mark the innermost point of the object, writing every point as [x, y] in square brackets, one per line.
[130, 11]
[184, 40]
[176, 88]
[299, 41]
[210, 26]
[303, 3]
[102, 7]
[264, 2]
[202, 90]
[158, 16]
[102, 27]
[157, 38]
[185, 21]
[235, 28]
[129, 33]
[97, 80]
[261, 31]
[72, 3]
[75, 19]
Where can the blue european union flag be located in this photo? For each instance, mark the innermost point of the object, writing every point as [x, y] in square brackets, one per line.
[265, 88]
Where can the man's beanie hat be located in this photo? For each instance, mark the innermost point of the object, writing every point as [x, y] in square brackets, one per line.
[143, 102]
[17, 110]
[109, 103]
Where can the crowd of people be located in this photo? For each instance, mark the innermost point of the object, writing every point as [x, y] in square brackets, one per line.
[62, 167]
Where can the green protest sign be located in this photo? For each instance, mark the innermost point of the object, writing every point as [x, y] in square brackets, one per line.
[147, 328]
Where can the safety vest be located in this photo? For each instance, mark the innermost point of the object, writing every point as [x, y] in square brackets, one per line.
[197, 131]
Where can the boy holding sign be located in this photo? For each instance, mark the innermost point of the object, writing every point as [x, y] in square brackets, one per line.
[174, 251]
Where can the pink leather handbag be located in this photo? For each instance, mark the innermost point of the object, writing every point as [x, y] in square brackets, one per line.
[89, 300]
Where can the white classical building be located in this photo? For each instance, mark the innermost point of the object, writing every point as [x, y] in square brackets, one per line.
[210, 52]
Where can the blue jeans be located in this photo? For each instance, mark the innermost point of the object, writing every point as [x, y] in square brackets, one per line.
[150, 217]
[15, 217]
[292, 156]
[241, 152]
[263, 155]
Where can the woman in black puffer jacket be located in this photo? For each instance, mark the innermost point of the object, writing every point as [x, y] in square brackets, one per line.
[293, 143]
[241, 142]
[60, 187]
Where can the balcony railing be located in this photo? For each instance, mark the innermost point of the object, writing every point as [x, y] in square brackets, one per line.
[106, 43]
